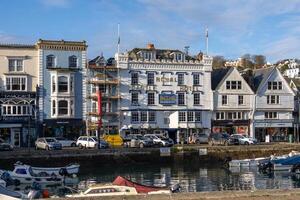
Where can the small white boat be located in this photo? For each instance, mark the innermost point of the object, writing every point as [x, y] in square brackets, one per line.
[25, 175]
[67, 170]
[246, 162]
[105, 190]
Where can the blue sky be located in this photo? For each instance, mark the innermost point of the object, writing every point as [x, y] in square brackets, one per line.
[236, 27]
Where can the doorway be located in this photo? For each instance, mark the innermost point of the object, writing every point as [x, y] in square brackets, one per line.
[15, 137]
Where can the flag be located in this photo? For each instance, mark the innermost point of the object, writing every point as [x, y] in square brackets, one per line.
[119, 40]
[206, 34]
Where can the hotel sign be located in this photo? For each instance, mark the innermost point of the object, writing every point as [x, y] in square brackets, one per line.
[167, 99]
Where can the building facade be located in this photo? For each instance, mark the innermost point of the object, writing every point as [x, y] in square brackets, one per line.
[233, 102]
[103, 81]
[18, 93]
[62, 87]
[165, 91]
[274, 106]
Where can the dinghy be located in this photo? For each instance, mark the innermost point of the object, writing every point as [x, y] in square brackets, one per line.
[70, 169]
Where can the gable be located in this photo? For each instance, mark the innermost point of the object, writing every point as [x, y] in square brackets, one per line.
[275, 75]
[234, 75]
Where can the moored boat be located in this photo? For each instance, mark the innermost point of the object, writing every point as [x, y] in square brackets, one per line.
[66, 170]
[24, 174]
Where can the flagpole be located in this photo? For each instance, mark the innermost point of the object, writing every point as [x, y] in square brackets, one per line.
[118, 39]
[206, 35]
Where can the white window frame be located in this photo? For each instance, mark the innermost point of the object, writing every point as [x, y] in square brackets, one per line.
[54, 61]
[151, 98]
[180, 79]
[72, 61]
[181, 101]
[135, 117]
[150, 80]
[134, 99]
[273, 99]
[271, 115]
[190, 116]
[224, 99]
[151, 116]
[181, 116]
[9, 80]
[17, 107]
[134, 78]
[196, 81]
[241, 99]
[197, 100]
[144, 116]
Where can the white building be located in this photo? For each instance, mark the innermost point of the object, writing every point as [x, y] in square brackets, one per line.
[292, 70]
[164, 91]
[274, 105]
[233, 102]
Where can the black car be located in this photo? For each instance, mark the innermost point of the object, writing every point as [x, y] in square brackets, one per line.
[219, 139]
[5, 146]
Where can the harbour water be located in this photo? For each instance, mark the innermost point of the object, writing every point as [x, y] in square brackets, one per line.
[191, 178]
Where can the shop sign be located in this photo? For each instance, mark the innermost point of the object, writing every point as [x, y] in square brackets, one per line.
[203, 152]
[165, 151]
[167, 99]
[266, 125]
[15, 118]
[16, 95]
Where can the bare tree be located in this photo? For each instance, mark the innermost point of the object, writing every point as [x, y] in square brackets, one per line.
[259, 61]
[218, 62]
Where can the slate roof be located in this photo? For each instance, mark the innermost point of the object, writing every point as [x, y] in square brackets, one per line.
[19, 46]
[217, 75]
[260, 76]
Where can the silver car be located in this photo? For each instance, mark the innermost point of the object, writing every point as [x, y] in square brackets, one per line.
[47, 143]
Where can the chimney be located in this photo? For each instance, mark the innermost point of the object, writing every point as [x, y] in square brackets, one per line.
[150, 46]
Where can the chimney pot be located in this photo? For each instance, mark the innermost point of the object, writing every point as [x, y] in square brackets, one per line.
[150, 46]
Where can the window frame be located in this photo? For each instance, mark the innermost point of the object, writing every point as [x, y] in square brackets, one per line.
[151, 98]
[10, 83]
[180, 79]
[135, 117]
[150, 80]
[53, 61]
[14, 67]
[73, 61]
[241, 100]
[181, 116]
[134, 99]
[181, 101]
[197, 101]
[134, 78]
[224, 99]
[60, 108]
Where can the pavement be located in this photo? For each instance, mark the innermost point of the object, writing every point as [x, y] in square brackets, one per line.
[277, 194]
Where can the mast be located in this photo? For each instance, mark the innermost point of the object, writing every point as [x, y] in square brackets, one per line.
[119, 80]
[206, 36]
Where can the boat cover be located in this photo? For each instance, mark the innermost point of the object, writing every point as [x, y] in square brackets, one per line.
[121, 181]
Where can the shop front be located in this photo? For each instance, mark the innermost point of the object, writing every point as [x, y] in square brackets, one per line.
[231, 127]
[68, 128]
[18, 118]
[274, 131]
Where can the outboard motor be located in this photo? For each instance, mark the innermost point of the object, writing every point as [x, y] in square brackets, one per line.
[9, 180]
[35, 192]
[63, 172]
[175, 188]
[264, 167]
[295, 168]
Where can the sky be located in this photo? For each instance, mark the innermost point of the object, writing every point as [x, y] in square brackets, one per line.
[236, 27]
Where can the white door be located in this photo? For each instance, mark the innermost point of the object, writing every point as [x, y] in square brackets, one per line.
[15, 136]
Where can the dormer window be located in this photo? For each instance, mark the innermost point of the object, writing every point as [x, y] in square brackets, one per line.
[147, 55]
[178, 57]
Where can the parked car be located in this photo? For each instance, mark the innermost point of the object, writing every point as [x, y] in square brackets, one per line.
[200, 138]
[102, 144]
[160, 140]
[252, 139]
[219, 139]
[241, 139]
[47, 143]
[128, 138]
[87, 142]
[4, 146]
[139, 141]
[66, 142]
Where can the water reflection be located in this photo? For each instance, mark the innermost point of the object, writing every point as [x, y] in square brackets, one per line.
[192, 178]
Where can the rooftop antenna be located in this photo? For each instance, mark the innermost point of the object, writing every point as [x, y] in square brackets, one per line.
[186, 50]
[206, 35]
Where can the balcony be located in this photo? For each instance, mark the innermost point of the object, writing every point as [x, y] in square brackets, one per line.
[107, 81]
[102, 67]
[103, 113]
[105, 96]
